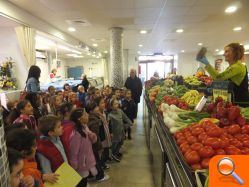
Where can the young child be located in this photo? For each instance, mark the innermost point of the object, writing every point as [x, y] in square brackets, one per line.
[116, 119]
[90, 95]
[55, 103]
[25, 110]
[81, 154]
[81, 95]
[129, 108]
[51, 90]
[97, 93]
[16, 163]
[24, 141]
[50, 150]
[73, 99]
[118, 96]
[64, 112]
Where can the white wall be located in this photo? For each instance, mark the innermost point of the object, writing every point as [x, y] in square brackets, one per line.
[9, 47]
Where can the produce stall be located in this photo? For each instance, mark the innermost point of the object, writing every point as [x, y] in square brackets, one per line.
[181, 139]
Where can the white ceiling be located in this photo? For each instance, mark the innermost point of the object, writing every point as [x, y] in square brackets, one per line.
[202, 20]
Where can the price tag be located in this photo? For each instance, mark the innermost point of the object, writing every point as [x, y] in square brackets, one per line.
[221, 93]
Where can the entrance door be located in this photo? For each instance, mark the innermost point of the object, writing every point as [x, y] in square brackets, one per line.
[75, 72]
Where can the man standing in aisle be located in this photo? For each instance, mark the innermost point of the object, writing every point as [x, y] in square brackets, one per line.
[135, 85]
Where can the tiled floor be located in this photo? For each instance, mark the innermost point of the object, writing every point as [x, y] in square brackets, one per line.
[134, 169]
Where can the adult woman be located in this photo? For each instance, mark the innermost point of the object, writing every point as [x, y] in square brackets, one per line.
[236, 73]
[32, 83]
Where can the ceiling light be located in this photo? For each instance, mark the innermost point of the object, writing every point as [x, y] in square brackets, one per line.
[140, 45]
[179, 30]
[78, 56]
[71, 29]
[75, 51]
[88, 54]
[183, 51]
[139, 52]
[95, 45]
[143, 32]
[105, 52]
[246, 47]
[217, 50]
[200, 44]
[59, 35]
[231, 9]
[237, 28]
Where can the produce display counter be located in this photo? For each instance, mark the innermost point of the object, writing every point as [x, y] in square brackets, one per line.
[168, 166]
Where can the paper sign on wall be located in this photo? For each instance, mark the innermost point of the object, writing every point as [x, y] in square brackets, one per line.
[68, 177]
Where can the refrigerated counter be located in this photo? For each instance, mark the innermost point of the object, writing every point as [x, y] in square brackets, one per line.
[168, 167]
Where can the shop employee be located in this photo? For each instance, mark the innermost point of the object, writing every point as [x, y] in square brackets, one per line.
[236, 73]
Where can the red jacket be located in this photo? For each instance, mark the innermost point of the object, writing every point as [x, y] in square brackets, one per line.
[48, 149]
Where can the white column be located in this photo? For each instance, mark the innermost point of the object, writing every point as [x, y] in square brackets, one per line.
[116, 56]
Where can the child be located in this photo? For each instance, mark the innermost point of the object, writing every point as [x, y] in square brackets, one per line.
[24, 141]
[129, 108]
[55, 103]
[118, 97]
[64, 112]
[97, 93]
[95, 126]
[82, 95]
[51, 153]
[51, 90]
[116, 120]
[73, 99]
[104, 132]
[16, 166]
[25, 110]
[81, 153]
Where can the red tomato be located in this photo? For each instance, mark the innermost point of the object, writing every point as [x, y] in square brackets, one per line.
[214, 132]
[185, 149]
[234, 129]
[207, 123]
[220, 152]
[196, 166]
[181, 140]
[246, 143]
[224, 142]
[226, 135]
[213, 142]
[184, 144]
[178, 135]
[187, 134]
[192, 158]
[202, 136]
[196, 146]
[191, 139]
[206, 152]
[245, 129]
[245, 151]
[232, 150]
[196, 131]
[205, 163]
[236, 143]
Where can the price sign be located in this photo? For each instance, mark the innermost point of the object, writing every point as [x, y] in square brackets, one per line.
[221, 93]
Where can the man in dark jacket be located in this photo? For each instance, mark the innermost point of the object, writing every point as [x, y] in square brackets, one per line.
[85, 83]
[135, 85]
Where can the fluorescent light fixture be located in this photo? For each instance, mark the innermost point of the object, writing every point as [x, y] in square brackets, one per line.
[217, 50]
[59, 35]
[183, 51]
[143, 32]
[94, 52]
[86, 48]
[72, 55]
[93, 55]
[64, 47]
[200, 44]
[246, 46]
[179, 30]
[221, 52]
[97, 57]
[75, 51]
[155, 58]
[95, 45]
[237, 28]
[71, 29]
[231, 9]
[140, 45]
[78, 56]
[105, 52]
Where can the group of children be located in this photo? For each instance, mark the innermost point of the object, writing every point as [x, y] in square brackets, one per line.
[84, 129]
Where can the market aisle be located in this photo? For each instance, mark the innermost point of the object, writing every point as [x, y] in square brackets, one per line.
[134, 169]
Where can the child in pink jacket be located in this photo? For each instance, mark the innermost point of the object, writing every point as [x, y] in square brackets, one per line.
[81, 154]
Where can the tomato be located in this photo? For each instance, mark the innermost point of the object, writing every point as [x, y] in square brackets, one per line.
[226, 135]
[214, 132]
[220, 152]
[232, 150]
[245, 129]
[184, 144]
[245, 151]
[213, 142]
[191, 139]
[234, 129]
[187, 134]
[205, 163]
[181, 140]
[236, 143]
[196, 166]
[206, 152]
[196, 146]
[224, 142]
[202, 136]
[185, 149]
[196, 131]
[207, 123]
[178, 135]
[192, 158]
[246, 143]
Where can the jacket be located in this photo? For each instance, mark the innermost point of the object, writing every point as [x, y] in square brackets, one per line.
[135, 85]
[29, 121]
[33, 85]
[81, 153]
[85, 84]
[94, 125]
[129, 108]
[116, 120]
